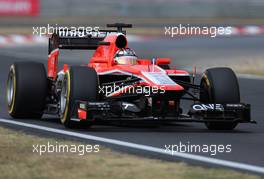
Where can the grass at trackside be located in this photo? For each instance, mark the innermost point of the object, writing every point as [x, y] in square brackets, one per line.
[251, 71]
[18, 161]
[253, 66]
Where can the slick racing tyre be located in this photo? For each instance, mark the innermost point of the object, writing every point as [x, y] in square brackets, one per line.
[26, 90]
[80, 83]
[220, 85]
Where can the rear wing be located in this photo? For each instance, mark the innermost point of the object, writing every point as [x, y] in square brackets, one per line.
[68, 40]
[90, 41]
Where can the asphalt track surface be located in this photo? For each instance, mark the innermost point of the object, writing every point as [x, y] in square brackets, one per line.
[247, 140]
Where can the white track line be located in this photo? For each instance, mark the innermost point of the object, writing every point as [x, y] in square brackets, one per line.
[199, 158]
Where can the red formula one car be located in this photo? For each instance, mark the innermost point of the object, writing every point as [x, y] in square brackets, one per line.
[117, 86]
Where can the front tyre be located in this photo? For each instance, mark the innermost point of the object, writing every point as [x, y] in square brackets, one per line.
[220, 85]
[80, 83]
[26, 90]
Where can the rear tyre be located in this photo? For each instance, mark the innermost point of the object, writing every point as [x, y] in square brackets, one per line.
[220, 85]
[80, 83]
[26, 90]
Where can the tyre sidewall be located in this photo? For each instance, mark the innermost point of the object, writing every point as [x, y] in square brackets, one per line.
[30, 90]
[82, 84]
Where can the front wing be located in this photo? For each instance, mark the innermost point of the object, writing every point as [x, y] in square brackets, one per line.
[107, 112]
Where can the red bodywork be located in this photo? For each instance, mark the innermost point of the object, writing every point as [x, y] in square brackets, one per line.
[103, 62]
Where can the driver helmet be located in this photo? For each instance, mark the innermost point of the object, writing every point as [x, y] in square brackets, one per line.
[125, 56]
